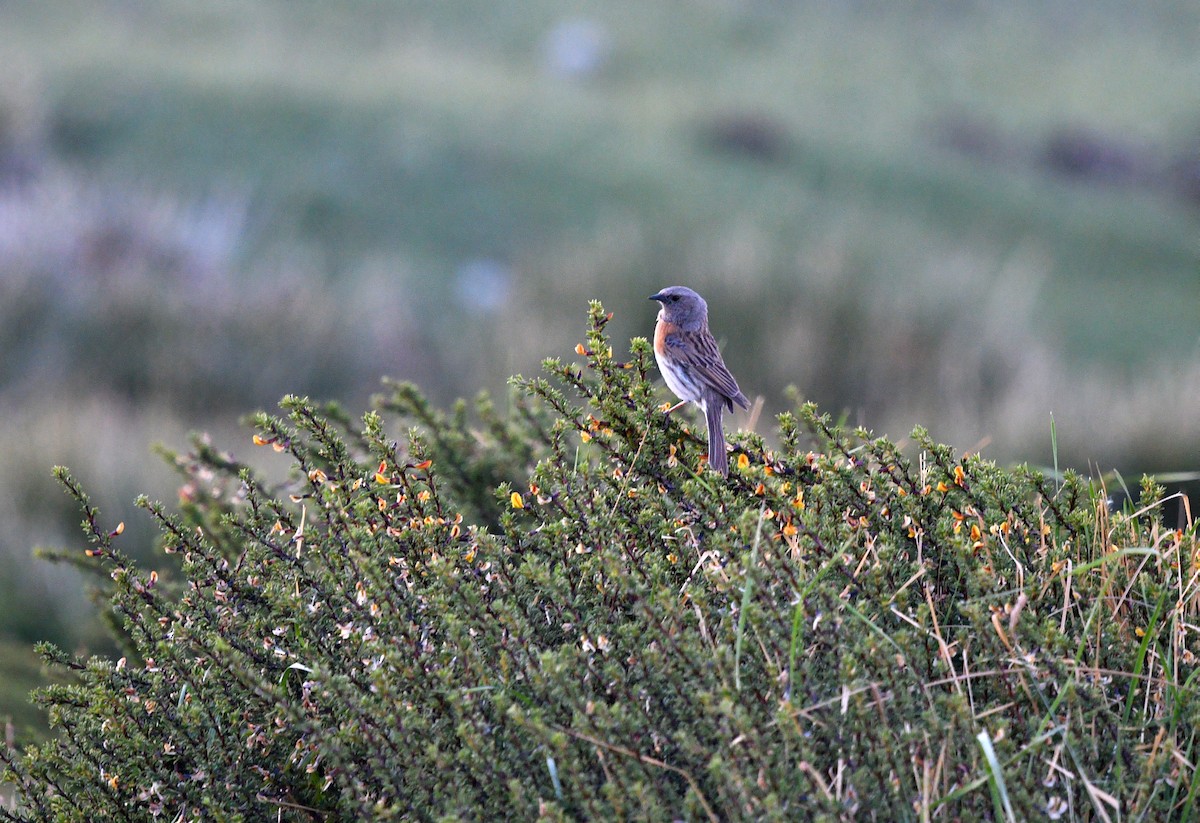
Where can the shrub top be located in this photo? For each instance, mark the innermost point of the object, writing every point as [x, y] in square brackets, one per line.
[559, 612]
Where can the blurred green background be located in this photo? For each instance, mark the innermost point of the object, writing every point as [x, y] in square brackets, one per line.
[965, 215]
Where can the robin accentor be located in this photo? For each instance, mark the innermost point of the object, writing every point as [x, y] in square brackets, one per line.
[688, 358]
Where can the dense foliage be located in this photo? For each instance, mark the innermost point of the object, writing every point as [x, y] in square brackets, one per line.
[553, 612]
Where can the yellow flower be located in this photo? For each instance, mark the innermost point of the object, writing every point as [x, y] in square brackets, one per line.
[516, 500]
[259, 440]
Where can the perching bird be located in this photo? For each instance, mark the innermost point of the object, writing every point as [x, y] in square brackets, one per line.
[688, 358]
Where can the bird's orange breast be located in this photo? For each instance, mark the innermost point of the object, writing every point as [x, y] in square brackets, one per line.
[661, 331]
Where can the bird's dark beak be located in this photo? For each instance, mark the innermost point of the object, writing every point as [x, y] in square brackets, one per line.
[659, 297]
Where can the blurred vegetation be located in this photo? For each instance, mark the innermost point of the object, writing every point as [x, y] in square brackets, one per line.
[963, 217]
[833, 632]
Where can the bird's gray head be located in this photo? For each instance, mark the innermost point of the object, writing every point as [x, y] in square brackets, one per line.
[682, 307]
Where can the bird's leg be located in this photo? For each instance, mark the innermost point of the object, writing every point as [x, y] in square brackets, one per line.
[677, 406]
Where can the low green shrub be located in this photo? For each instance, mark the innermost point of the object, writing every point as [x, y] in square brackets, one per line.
[555, 613]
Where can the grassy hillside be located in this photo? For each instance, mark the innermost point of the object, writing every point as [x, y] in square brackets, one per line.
[967, 218]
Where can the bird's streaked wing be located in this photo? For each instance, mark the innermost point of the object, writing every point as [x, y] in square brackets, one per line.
[698, 351]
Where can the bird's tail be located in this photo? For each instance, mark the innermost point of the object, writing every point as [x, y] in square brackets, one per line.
[716, 437]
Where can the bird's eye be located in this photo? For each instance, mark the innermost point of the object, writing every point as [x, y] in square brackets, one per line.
[674, 298]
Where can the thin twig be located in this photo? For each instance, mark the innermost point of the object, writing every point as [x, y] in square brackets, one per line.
[648, 760]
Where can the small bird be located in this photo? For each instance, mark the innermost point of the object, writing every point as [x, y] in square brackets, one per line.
[688, 358]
